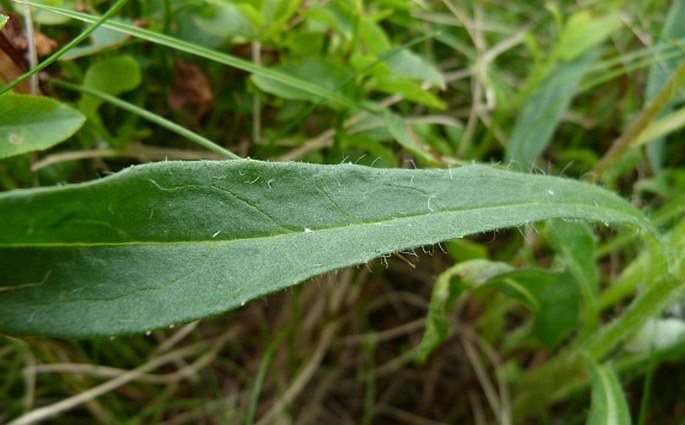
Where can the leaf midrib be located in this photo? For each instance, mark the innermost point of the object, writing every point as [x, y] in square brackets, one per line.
[629, 219]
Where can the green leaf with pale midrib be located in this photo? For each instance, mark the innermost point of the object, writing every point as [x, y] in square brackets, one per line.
[176, 241]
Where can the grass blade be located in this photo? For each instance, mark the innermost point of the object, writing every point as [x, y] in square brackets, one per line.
[152, 117]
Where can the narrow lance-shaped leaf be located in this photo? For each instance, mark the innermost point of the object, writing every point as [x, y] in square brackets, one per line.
[609, 406]
[657, 77]
[542, 112]
[175, 241]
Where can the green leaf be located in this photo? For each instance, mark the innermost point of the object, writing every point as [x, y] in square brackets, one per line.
[658, 129]
[524, 285]
[558, 312]
[112, 76]
[48, 18]
[227, 20]
[658, 75]
[609, 406]
[210, 54]
[445, 291]
[576, 245]
[582, 32]
[406, 63]
[32, 123]
[3, 20]
[409, 90]
[400, 130]
[326, 73]
[101, 39]
[170, 242]
[543, 110]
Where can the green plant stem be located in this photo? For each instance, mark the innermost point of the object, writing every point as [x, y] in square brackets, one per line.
[143, 113]
[630, 138]
[85, 34]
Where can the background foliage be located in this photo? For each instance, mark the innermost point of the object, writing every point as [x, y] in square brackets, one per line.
[554, 322]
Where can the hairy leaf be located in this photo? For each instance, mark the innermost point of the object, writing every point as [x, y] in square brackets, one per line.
[175, 241]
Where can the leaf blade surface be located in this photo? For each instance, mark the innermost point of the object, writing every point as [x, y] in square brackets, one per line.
[175, 241]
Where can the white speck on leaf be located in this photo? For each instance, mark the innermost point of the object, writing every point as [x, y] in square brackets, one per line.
[15, 139]
[216, 234]
[550, 192]
[308, 230]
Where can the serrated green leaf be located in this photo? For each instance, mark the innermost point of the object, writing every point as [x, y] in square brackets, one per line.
[32, 123]
[609, 406]
[175, 241]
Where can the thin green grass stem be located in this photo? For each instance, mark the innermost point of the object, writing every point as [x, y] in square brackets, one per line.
[261, 374]
[152, 117]
[647, 389]
[74, 42]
